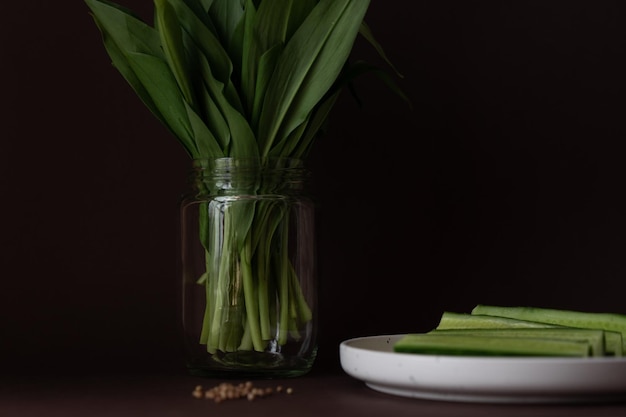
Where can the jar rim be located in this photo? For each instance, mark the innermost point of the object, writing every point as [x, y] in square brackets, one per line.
[223, 163]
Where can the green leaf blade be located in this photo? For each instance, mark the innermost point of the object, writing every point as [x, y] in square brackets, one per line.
[308, 67]
[160, 84]
[171, 36]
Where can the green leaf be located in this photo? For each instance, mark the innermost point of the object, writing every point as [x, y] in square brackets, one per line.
[200, 9]
[120, 62]
[266, 67]
[236, 49]
[361, 67]
[266, 30]
[366, 32]
[226, 16]
[206, 4]
[172, 42]
[299, 11]
[272, 21]
[128, 31]
[248, 58]
[286, 146]
[315, 125]
[159, 82]
[134, 48]
[243, 142]
[214, 121]
[209, 46]
[206, 144]
[309, 65]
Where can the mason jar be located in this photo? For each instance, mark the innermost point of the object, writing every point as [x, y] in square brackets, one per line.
[248, 261]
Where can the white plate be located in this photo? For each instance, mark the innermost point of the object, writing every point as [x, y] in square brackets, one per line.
[482, 379]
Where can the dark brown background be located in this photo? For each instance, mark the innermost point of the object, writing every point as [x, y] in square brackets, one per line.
[503, 185]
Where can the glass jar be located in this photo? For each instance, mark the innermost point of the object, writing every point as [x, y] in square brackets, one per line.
[249, 269]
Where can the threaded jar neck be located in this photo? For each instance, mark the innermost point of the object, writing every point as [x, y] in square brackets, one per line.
[251, 176]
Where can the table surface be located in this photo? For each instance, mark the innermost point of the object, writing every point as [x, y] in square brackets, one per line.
[169, 393]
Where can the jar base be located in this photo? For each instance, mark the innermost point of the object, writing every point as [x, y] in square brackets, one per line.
[251, 365]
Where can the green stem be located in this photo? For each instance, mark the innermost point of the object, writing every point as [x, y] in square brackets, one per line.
[283, 285]
[222, 297]
[252, 311]
[304, 311]
[246, 338]
[252, 290]
[263, 292]
[272, 216]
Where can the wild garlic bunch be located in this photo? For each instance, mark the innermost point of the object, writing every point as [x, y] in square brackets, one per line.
[252, 79]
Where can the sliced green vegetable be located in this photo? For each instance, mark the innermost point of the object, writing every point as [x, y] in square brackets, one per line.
[587, 320]
[474, 345]
[451, 320]
[594, 338]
